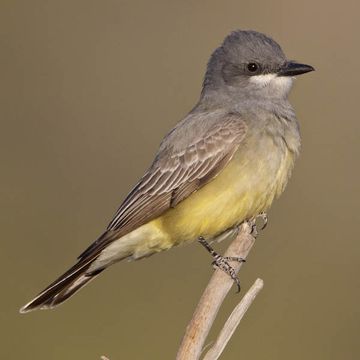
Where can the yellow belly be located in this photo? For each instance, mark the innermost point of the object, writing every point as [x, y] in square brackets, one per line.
[246, 187]
[257, 174]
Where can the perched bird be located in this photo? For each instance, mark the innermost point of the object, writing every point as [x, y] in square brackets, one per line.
[223, 164]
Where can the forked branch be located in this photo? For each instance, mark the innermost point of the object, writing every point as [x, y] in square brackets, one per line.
[205, 313]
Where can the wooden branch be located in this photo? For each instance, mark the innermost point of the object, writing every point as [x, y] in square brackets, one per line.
[233, 321]
[212, 298]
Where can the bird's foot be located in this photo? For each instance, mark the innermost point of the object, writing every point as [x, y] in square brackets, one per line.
[255, 226]
[222, 262]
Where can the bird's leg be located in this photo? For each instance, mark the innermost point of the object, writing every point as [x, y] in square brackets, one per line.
[221, 262]
[254, 227]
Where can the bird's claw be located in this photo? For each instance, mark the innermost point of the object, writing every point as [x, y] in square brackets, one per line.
[254, 226]
[222, 262]
[234, 258]
[224, 266]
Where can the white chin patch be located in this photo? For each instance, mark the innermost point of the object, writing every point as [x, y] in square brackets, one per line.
[280, 84]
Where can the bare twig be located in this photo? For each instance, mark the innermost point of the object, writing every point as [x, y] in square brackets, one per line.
[233, 321]
[212, 298]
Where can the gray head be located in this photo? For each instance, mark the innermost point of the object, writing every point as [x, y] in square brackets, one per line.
[250, 65]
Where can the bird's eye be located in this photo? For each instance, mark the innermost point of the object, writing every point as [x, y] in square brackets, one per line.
[252, 67]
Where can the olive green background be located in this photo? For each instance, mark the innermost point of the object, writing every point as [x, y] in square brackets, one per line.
[88, 89]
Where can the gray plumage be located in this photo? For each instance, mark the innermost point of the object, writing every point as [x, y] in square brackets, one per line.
[243, 110]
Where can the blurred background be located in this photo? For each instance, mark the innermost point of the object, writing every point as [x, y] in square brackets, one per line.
[88, 89]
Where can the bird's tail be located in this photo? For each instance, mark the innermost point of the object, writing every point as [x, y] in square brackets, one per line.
[63, 287]
[101, 254]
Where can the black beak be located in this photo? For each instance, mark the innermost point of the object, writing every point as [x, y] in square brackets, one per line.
[292, 68]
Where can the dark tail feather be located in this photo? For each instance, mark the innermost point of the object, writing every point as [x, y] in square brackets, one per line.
[62, 288]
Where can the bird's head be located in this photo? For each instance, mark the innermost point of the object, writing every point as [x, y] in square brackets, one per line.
[251, 65]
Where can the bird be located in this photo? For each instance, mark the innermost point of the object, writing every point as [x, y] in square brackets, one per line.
[224, 163]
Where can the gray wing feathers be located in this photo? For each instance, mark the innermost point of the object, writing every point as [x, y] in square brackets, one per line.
[174, 175]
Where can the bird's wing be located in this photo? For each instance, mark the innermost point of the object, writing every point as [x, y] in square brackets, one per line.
[173, 176]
